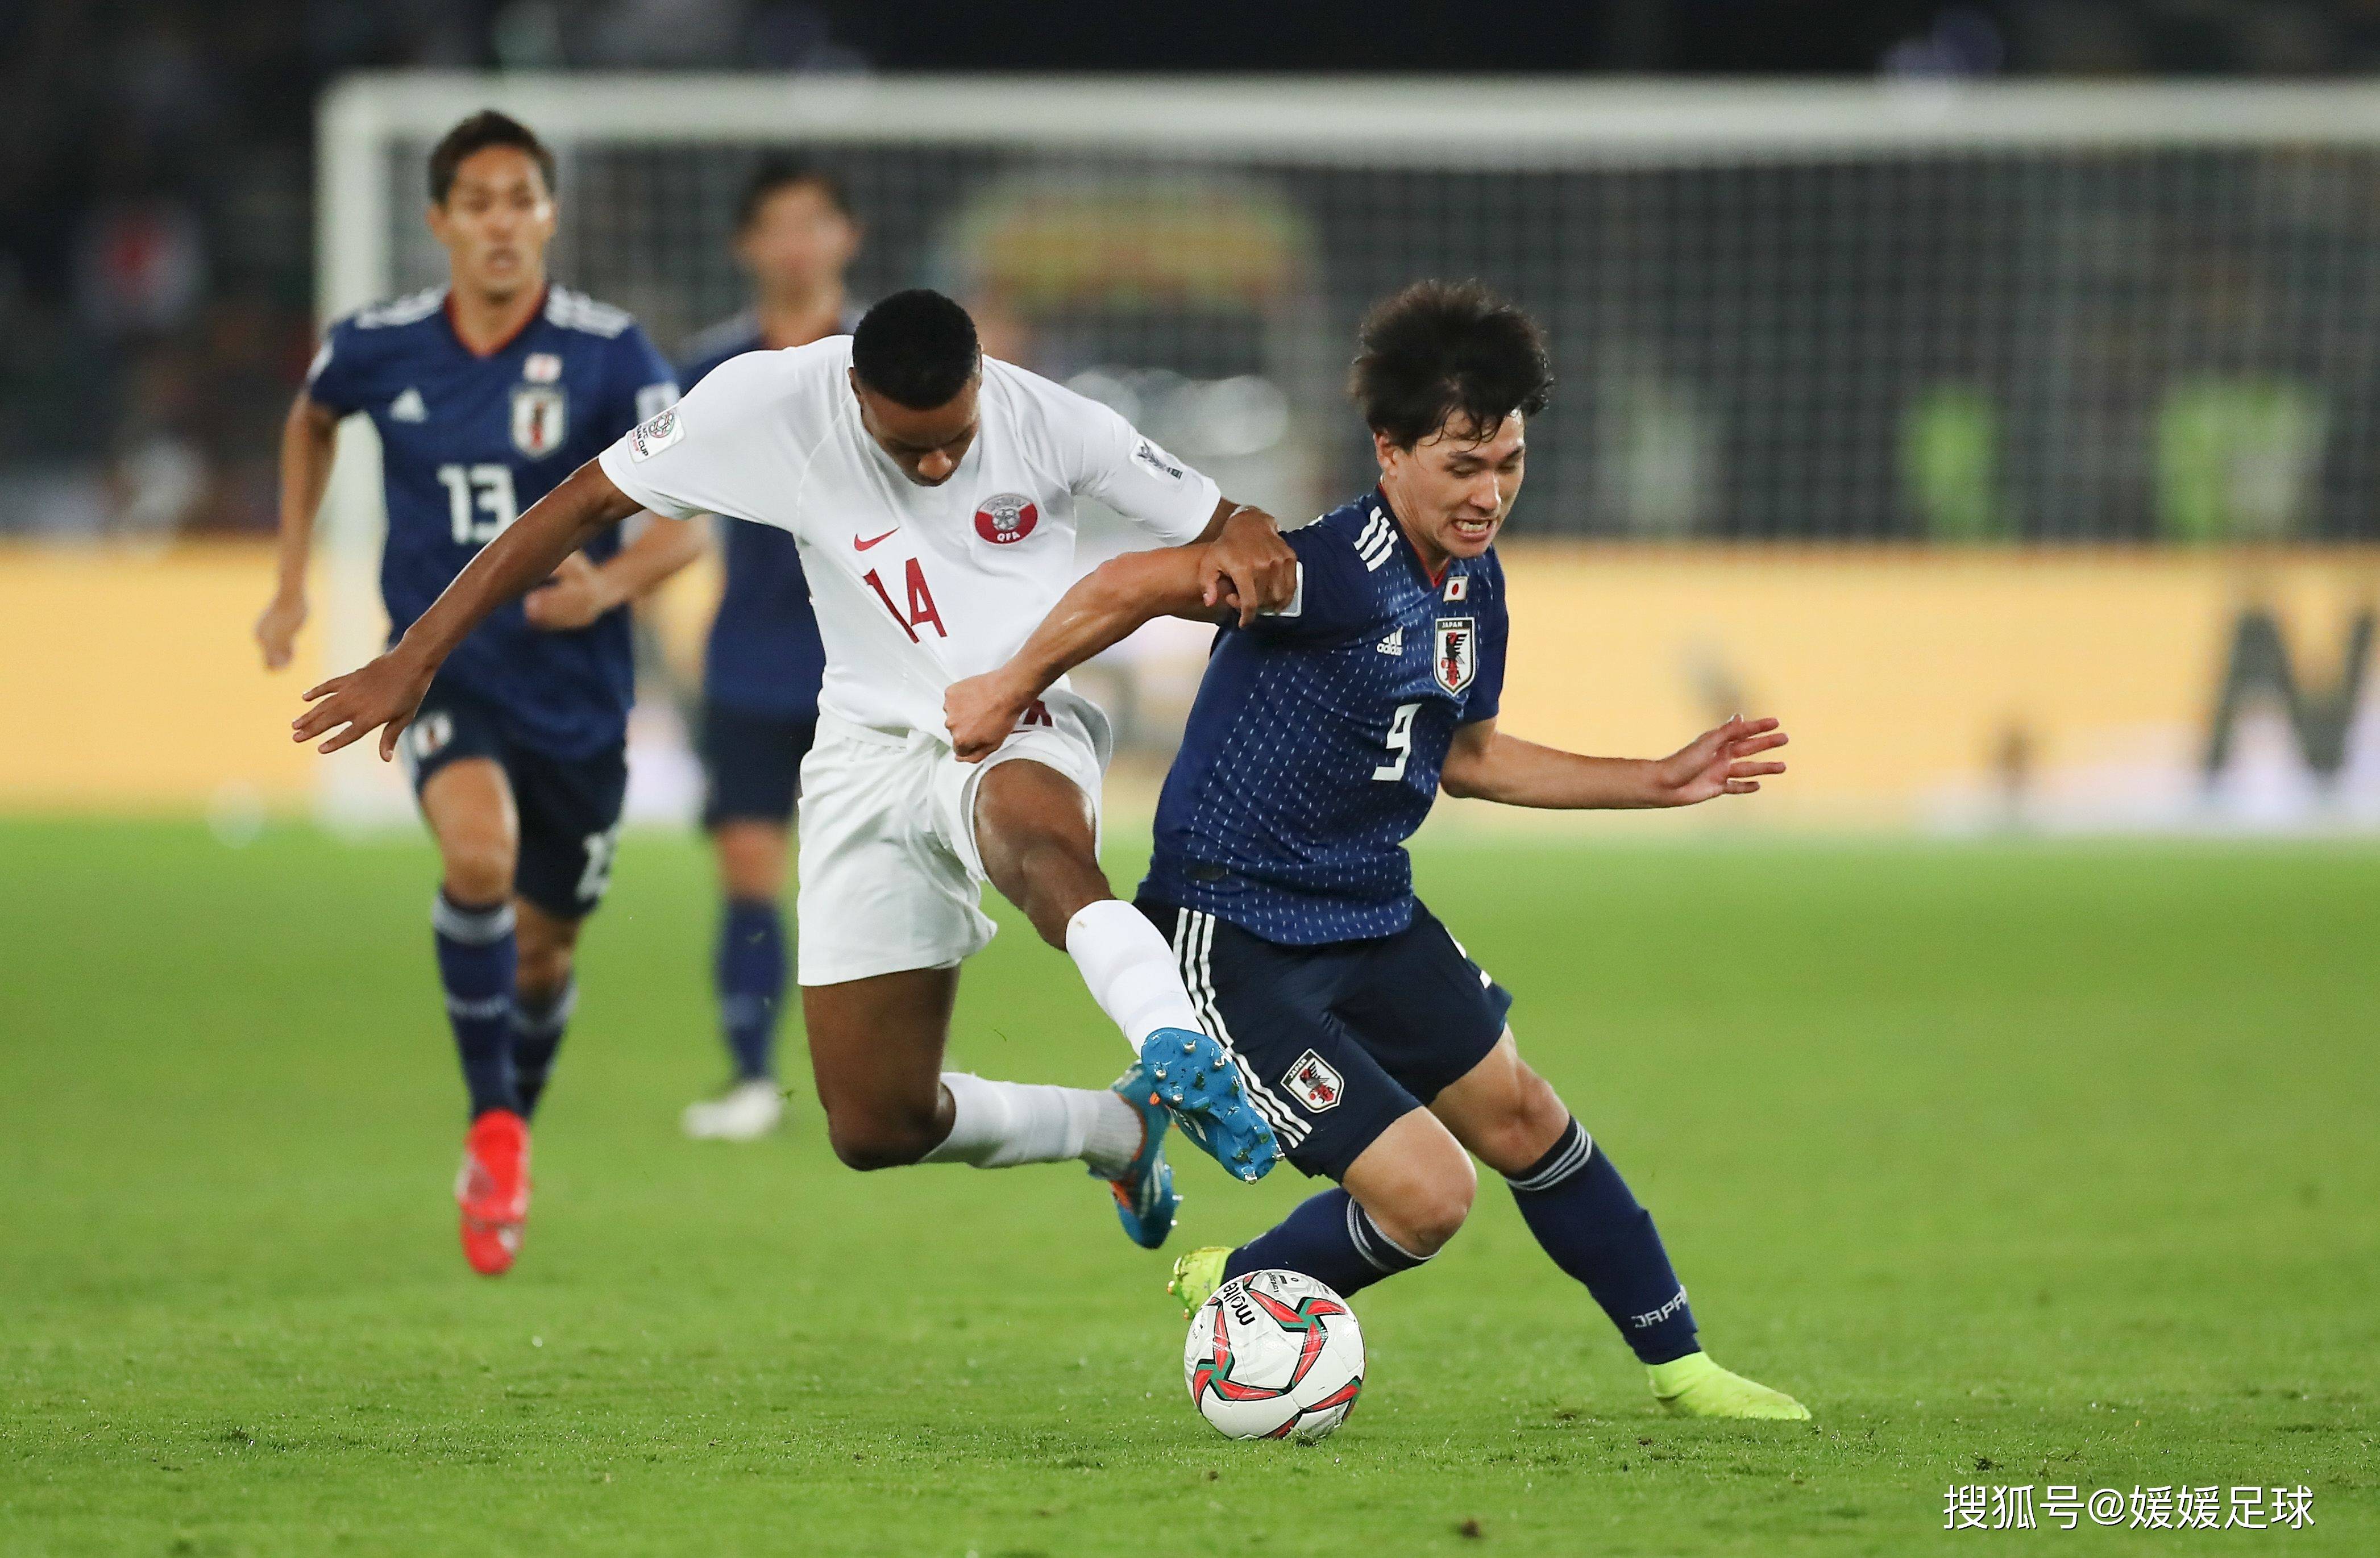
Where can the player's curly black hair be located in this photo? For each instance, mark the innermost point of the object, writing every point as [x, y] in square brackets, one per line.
[916, 348]
[485, 128]
[1448, 354]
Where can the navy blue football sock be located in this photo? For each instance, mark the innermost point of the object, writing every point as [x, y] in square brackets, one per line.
[1580, 1209]
[476, 961]
[751, 975]
[1329, 1237]
[538, 1027]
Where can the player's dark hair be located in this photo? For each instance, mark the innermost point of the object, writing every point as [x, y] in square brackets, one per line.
[1441, 353]
[782, 170]
[916, 348]
[485, 128]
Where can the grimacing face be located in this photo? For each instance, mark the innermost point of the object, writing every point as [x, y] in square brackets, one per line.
[797, 242]
[928, 446]
[1453, 489]
[496, 220]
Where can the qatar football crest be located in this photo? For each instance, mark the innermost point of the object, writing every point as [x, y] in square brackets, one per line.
[1456, 659]
[1006, 518]
[539, 415]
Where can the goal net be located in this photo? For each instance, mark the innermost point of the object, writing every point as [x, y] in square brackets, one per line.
[1808, 313]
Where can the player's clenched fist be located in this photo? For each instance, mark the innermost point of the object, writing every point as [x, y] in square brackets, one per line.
[381, 696]
[1249, 567]
[980, 712]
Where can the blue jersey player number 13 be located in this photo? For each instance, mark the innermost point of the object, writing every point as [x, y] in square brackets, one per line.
[487, 392]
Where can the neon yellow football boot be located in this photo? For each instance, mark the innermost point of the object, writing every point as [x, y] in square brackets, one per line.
[1196, 1276]
[1694, 1386]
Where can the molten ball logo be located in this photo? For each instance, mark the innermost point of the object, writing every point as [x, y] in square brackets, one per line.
[1006, 518]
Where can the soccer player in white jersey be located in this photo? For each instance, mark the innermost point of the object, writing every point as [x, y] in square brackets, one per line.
[932, 493]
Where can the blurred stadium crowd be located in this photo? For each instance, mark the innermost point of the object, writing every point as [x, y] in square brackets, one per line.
[156, 248]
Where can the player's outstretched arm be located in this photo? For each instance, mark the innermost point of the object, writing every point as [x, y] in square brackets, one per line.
[309, 439]
[382, 695]
[1102, 609]
[1486, 765]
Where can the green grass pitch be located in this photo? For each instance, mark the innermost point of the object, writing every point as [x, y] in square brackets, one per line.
[2039, 1163]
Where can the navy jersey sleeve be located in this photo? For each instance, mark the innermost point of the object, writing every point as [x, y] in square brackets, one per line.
[1488, 690]
[339, 377]
[1335, 599]
[643, 382]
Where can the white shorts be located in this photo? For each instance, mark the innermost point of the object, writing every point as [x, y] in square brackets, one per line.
[890, 879]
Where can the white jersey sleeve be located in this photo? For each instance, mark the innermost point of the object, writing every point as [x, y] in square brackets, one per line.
[728, 447]
[1110, 460]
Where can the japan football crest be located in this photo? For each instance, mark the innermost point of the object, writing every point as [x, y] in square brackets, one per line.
[1314, 1083]
[1456, 659]
[539, 415]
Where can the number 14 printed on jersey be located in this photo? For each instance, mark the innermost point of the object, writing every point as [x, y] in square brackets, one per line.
[921, 603]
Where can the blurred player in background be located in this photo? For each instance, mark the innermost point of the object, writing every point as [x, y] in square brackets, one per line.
[486, 392]
[795, 237]
[933, 493]
[1318, 741]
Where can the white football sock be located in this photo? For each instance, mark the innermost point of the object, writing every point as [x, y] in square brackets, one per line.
[1001, 1125]
[1130, 970]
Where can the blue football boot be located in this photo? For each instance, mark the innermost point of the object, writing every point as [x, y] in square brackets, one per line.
[1196, 1081]
[1146, 1203]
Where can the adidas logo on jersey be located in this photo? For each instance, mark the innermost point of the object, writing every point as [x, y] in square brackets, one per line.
[408, 407]
[1377, 544]
[1393, 644]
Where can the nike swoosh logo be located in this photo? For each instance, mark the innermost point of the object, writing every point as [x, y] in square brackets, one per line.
[859, 546]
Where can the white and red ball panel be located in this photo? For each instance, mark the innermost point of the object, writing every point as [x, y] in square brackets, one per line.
[1274, 1355]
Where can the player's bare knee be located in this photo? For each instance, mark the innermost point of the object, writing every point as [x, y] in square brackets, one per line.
[870, 1130]
[1448, 1206]
[542, 973]
[1425, 1213]
[478, 871]
[752, 859]
[870, 1140]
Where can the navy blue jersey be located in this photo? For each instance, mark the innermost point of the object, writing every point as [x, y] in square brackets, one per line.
[466, 444]
[1313, 748]
[764, 655]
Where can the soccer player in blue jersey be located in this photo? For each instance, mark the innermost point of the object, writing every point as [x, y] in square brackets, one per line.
[1320, 737]
[795, 237]
[487, 392]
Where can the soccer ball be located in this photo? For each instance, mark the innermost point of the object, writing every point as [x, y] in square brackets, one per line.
[1274, 1355]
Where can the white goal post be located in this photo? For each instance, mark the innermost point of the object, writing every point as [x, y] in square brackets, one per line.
[1955, 313]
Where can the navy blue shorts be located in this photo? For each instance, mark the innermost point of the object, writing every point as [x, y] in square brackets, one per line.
[570, 807]
[752, 764]
[1338, 1043]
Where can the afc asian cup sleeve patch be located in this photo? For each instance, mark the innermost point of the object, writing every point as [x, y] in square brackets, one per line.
[1159, 461]
[654, 434]
[1314, 1083]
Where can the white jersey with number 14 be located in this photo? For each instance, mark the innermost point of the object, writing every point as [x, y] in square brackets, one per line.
[915, 587]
